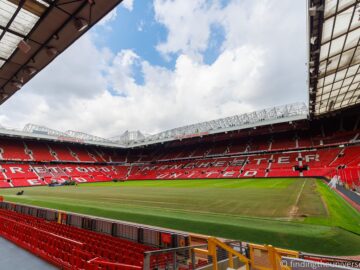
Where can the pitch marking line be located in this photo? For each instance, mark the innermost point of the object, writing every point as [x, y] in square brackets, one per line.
[295, 208]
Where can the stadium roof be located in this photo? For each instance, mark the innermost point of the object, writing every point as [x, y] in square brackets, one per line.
[275, 115]
[334, 55]
[34, 32]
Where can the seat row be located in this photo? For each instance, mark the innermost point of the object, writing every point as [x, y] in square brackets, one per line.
[69, 247]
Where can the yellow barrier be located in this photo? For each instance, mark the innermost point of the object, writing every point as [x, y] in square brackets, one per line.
[267, 257]
[212, 251]
[262, 257]
[61, 217]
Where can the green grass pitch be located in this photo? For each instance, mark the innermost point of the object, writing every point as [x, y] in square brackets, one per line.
[301, 214]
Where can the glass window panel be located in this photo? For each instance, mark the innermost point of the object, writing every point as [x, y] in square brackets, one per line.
[341, 96]
[337, 45]
[344, 89]
[352, 39]
[324, 51]
[348, 81]
[337, 85]
[327, 89]
[322, 68]
[329, 79]
[325, 96]
[8, 45]
[24, 22]
[340, 75]
[330, 7]
[352, 70]
[355, 22]
[356, 97]
[327, 29]
[323, 104]
[334, 93]
[333, 63]
[346, 58]
[7, 9]
[353, 86]
[345, 3]
[343, 21]
[337, 106]
[320, 82]
[356, 59]
[349, 95]
[357, 78]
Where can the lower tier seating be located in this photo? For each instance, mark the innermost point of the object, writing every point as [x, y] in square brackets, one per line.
[69, 247]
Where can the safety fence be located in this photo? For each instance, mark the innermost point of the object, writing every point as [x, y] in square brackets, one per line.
[194, 257]
[219, 255]
[147, 235]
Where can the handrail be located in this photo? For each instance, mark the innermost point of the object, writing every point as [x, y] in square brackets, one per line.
[212, 251]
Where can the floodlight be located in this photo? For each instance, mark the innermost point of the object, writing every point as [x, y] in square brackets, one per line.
[30, 70]
[80, 24]
[51, 51]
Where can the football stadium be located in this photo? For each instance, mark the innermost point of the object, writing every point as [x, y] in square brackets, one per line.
[275, 188]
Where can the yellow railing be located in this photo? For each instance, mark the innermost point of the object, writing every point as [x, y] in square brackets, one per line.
[262, 257]
[267, 257]
[213, 243]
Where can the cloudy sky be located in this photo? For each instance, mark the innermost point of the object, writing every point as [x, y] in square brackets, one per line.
[155, 65]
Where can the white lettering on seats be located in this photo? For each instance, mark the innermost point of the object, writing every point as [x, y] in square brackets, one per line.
[16, 170]
[283, 160]
[34, 182]
[250, 173]
[80, 179]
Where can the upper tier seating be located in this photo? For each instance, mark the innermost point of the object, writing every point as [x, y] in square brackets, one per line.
[82, 153]
[13, 150]
[63, 153]
[40, 151]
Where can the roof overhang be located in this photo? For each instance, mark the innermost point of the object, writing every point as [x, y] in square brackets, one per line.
[34, 32]
[334, 55]
[271, 116]
[290, 113]
[13, 133]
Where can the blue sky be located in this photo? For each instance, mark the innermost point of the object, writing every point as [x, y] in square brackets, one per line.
[138, 30]
[160, 64]
[135, 29]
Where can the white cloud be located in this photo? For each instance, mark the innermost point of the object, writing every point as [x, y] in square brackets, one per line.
[140, 26]
[277, 27]
[111, 16]
[188, 24]
[259, 65]
[128, 4]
